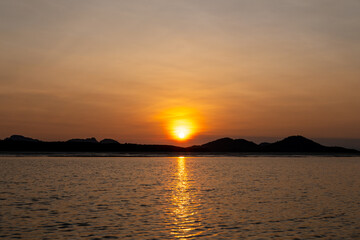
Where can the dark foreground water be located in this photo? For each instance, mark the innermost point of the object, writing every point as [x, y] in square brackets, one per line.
[186, 198]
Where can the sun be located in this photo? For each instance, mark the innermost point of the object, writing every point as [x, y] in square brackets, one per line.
[181, 135]
[180, 123]
[182, 132]
[182, 129]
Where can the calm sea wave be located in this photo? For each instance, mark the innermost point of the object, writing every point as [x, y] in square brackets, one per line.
[180, 197]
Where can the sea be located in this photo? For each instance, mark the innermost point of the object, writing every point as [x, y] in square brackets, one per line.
[179, 197]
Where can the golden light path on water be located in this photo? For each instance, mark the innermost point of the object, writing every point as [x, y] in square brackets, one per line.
[186, 221]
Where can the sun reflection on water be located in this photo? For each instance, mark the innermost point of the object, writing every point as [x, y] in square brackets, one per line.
[185, 218]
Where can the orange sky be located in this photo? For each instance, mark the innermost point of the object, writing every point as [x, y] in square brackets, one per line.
[114, 69]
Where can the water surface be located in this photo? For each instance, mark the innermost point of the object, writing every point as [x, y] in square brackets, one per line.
[179, 197]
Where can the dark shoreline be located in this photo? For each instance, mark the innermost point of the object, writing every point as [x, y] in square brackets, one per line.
[293, 145]
[173, 154]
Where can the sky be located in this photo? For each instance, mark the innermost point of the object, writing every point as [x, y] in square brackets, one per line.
[129, 70]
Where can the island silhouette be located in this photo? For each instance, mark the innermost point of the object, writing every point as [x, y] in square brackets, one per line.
[291, 145]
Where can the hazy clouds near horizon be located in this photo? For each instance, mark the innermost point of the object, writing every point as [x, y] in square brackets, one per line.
[249, 68]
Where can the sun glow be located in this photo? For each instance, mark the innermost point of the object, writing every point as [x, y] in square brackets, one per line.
[182, 129]
[182, 132]
[181, 124]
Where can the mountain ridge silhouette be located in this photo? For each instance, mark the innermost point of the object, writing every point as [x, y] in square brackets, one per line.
[291, 144]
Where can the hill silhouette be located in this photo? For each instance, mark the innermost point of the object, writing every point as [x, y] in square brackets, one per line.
[109, 141]
[227, 145]
[295, 144]
[19, 138]
[292, 144]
